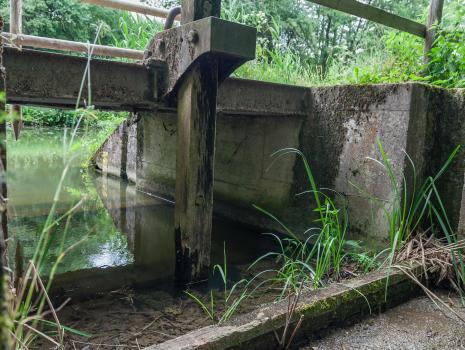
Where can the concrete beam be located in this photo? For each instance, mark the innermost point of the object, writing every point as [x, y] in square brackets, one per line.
[339, 304]
[53, 80]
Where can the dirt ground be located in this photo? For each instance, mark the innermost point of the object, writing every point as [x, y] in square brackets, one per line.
[415, 325]
[133, 319]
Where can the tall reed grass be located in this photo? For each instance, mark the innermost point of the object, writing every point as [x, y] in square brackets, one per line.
[30, 304]
[416, 207]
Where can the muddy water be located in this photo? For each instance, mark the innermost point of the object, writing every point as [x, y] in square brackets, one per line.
[116, 226]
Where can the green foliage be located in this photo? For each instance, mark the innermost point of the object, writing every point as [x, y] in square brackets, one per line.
[102, 124]
[41, 117]
[403, 59]
[447, 58]
[64, 19]
[298, 42]
[135, 32]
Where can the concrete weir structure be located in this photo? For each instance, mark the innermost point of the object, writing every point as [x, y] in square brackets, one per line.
[336, 128]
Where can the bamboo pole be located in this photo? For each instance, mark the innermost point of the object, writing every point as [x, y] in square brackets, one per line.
[16, 27]
[130, 6]
[72, 46]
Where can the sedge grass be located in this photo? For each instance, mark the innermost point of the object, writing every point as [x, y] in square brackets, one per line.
[414, 206]
[324, 248]
[230, 299]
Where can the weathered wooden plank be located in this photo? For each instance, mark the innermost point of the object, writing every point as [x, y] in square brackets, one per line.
[375, 14]
[434, 17]
[195, 154]
[54, 80]
[194, 170]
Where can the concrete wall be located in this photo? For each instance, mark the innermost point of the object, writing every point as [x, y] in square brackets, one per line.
[335, 127]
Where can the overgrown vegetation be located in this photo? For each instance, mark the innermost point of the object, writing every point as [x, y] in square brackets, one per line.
[298, 43]
[30, 302]
[319, 253]
[418, 230]
[417, 208]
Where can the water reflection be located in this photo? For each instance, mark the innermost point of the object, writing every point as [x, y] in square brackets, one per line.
[35, 166]
[147, 222]
[123, 230]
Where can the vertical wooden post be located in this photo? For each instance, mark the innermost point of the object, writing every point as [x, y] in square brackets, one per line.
[16, 27]
[4, 319]
[195, 155]
[435, 16]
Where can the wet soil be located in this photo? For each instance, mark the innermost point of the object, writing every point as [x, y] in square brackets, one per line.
[132, 319]
[415, 325]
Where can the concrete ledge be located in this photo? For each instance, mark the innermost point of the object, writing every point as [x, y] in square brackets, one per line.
[83, 284]
[336, 305]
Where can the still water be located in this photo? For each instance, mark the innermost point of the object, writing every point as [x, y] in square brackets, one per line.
[116, 225]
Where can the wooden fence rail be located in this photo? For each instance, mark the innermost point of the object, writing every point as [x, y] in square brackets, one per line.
[131, 6]
[352, 7]
[375, 14]
[72, 46]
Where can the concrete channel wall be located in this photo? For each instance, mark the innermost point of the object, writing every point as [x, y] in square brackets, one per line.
[336, 128]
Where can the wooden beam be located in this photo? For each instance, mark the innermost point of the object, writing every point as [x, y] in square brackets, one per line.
[71, 46]
[16, 27]
[375, 14]
[434, 17]
[131, 6]
[195, 156]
